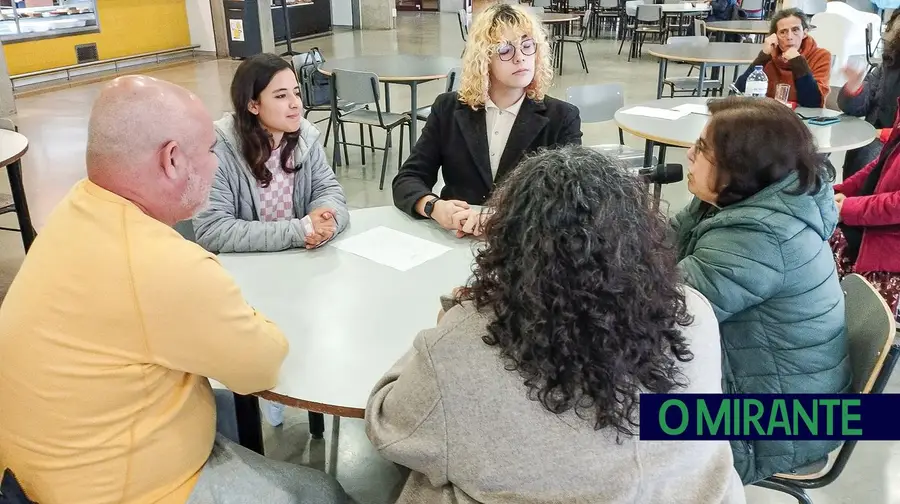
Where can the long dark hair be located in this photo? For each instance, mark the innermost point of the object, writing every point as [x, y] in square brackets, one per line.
[582, 281]
[890, 54]
[251, 77]
[755, 143]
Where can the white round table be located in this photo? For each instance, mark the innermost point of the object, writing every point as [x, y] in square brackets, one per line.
[13, 146]
[849, 133]
[702, 53]
[347, 319]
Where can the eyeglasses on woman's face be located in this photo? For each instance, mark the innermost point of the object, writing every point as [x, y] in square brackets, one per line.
[507, 50]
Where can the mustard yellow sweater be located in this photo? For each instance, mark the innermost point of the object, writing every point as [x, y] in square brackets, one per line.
[106, 337]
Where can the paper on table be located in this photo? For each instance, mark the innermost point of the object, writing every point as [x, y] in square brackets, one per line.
[692, 108]
[392, 248]
[670, 115]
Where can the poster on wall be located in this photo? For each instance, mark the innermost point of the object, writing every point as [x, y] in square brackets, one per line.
[237, 29]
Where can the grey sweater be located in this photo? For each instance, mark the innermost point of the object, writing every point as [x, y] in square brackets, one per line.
[230, 223]
[451, 413]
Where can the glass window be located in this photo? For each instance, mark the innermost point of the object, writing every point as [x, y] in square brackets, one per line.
[36, 19]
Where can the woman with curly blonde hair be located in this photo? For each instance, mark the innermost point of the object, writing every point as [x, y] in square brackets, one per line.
[478, 134]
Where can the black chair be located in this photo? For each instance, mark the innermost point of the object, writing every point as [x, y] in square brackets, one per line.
[870, 330]
[562, 40]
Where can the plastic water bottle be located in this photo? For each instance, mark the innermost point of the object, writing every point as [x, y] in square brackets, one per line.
[757, 83]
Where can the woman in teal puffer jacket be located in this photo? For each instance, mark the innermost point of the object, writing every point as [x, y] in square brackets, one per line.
[755, 242]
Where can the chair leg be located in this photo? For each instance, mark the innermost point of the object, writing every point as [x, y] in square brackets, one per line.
[795, 492]
[344, 136]
[372, 141]
[328, 130]
[362, 143]
[387, 147]
[400, 155]
[581, 55]
[624, 36]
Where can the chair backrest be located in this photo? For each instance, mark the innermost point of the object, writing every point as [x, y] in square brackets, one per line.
[752, 5]
[812, 7]
[586, 19]
[631, 7]
[577, 4]
[453, 80]
[870, 331]
[673, 1]
[609, 4]
[597, 102]
[649, 13]
[356, 87]
[8, 124]
[463, 18]
[537, 11]
[542, 3]
[700, 27]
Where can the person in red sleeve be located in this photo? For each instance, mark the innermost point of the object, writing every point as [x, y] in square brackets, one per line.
[873, 95]
[868, 235]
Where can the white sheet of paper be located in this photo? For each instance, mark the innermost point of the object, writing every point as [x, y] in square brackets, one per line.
[670, 115]
[392, 248]
[692, 108]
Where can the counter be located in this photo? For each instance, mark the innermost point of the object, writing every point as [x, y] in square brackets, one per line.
[306, 19]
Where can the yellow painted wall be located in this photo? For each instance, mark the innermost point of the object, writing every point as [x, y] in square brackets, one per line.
[127, 27]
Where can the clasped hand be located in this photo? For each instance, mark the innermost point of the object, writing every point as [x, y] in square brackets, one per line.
[324, 227]
[456, 215]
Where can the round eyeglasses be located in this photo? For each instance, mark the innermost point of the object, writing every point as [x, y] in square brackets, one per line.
[507, 51]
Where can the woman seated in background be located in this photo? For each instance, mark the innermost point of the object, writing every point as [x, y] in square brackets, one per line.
[754, 242]
[274, 189]
[528, 388]
[868, 236]
[477, 136]
[875, 98]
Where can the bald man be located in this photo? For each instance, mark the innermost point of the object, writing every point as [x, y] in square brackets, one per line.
[114, 322]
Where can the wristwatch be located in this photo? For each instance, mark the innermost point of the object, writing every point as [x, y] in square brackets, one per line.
[429, 206]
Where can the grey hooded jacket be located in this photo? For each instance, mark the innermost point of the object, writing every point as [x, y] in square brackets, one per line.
[231, 221]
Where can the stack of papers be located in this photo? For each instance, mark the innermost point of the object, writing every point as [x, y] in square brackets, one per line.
[392, 248]
[657, 113]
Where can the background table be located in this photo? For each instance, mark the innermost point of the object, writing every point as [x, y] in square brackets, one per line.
[850, 133]
[404, 69]
[747, 27]
[348, 319]
[13, 146]
[715, 53]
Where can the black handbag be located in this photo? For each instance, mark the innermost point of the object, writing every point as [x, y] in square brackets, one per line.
[315, 87]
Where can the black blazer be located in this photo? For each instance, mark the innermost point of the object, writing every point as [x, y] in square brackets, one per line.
[455, 137]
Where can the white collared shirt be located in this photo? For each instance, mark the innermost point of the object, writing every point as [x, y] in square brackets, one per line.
[499, 125]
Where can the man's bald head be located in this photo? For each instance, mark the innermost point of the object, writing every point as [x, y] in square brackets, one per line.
[147, 139]
[134, 116]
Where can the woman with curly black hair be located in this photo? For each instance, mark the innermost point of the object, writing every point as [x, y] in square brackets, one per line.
[528, 388]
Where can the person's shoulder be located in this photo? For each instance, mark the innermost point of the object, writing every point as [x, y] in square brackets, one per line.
[160, 254]
[448, 101]
[461, 323]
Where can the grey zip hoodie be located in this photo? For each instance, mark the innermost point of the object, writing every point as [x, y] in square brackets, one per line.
[231, 221]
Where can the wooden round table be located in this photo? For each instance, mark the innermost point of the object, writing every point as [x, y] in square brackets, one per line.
[849, 133]
[13, 146]
[406, 69]
[702, 53]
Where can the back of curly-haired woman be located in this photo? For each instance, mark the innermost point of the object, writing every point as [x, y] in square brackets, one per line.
[477, 135]
[528, 388]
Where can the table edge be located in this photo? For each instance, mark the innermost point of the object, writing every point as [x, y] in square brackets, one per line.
[18, 156]
[735, 30]
[328, 409]
[417, 78]
[701, 60]
[645, 136]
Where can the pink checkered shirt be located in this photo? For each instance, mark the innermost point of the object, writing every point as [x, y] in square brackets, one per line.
[277, 200]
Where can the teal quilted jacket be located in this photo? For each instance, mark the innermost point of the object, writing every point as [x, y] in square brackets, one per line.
[765, 266]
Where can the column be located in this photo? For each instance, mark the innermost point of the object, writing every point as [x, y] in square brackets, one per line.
[266, 31]
[377, 14]
[7, 98]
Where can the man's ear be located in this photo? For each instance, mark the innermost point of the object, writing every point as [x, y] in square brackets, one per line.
[167, 159]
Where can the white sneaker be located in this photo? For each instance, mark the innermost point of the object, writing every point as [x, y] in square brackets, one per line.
[274, 413]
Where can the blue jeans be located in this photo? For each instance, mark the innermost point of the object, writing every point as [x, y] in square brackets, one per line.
[226, 415]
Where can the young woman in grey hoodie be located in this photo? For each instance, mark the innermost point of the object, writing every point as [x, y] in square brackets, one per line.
[274, 189]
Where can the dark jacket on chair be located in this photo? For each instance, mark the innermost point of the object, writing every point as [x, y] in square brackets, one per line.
[455, 138]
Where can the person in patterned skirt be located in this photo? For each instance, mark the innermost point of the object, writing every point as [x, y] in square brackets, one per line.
[868, 237]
